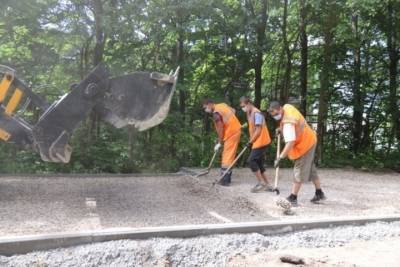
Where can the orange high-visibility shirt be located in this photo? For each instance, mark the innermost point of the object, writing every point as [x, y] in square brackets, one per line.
[231, 123]
[264, 139]
[305, 135]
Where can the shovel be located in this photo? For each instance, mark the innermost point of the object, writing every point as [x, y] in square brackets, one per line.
[231, 166]
[278, 151]
[209, 166]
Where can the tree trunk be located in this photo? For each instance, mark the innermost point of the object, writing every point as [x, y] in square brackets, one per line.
[393, 65]
[98, 52]
[358, 96]
[303, 56]
[180, 58]
[98, 13]
[284, 96]
[131, 146]
[258, 63]
[258, 79]
[329, 23]
[278, 83]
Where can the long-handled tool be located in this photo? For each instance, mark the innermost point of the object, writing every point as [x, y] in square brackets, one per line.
[231, 166]
[209, 166]
[278, 152]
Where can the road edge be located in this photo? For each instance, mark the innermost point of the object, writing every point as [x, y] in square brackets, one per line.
[24, 244]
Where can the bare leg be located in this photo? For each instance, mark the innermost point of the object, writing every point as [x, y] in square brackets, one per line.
[317, 183]
[260, 177]
[264, 177]
[296, 188]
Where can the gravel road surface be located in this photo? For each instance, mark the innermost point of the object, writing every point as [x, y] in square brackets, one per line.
[37, 205]
[44, 205]
[349, 192]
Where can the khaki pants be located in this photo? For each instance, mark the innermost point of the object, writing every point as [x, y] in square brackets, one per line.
[304, 167]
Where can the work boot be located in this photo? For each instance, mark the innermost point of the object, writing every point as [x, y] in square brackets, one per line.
[259, 187]
[319, 195]
[226, 180]
[292, 199]
[269, 188]
[229, 177]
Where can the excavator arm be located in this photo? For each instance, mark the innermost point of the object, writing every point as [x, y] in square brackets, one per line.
[140, 99]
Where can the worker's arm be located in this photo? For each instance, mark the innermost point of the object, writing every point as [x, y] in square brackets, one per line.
[289, 134]
[220, 131]
[286, 149]
[256, 133]
[219, 127]
[258, 122]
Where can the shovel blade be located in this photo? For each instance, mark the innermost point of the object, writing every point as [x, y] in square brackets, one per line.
[203, 173]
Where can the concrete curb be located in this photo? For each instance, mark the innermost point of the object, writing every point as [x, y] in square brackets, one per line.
[25, 244]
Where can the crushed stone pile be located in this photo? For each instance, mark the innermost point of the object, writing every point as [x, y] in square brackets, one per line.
[201, 251]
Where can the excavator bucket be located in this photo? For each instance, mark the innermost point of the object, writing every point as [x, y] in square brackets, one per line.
[140, 99]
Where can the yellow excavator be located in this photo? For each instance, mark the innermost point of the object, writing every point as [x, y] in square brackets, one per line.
[141, 99]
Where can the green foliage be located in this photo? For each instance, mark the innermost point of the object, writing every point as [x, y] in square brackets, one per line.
[51, 45]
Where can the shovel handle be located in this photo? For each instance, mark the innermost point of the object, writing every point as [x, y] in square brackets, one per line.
[233, 163]
[278, 152]
[212, 160]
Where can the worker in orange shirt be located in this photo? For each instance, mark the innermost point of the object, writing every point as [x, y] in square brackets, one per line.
[258, 142]
[228, 130]
[301, 141]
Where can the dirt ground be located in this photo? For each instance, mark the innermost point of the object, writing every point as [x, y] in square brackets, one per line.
[357, 253]
[349, 193]
[34, 205]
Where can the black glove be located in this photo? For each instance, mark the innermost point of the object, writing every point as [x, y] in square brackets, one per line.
[277, 162]
[249, 145]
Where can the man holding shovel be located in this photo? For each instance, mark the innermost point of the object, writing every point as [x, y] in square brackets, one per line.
[300, 147]
[258, 142]
[228, 130]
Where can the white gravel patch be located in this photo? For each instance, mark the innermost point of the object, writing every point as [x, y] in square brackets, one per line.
[202, 251]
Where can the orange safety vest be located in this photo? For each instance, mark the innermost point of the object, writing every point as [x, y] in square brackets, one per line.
[306, 137]
[264, 139]
[231, 123]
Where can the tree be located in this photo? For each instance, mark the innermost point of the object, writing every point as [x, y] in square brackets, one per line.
[358, 95]
[304, 55]
[260, 28]
[329, 22]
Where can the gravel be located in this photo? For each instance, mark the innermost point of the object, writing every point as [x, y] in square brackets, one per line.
[47, 205]
[215, 250]
[41, 205]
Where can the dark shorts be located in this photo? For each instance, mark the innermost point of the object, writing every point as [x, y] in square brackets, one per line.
[256, 159]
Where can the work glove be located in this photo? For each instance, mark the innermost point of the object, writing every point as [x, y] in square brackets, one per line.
[249, 145]
[277, 162]
[217, 147]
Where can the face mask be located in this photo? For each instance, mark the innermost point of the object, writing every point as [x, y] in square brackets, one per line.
[208, 110]
[244, 109]
[277, 117]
